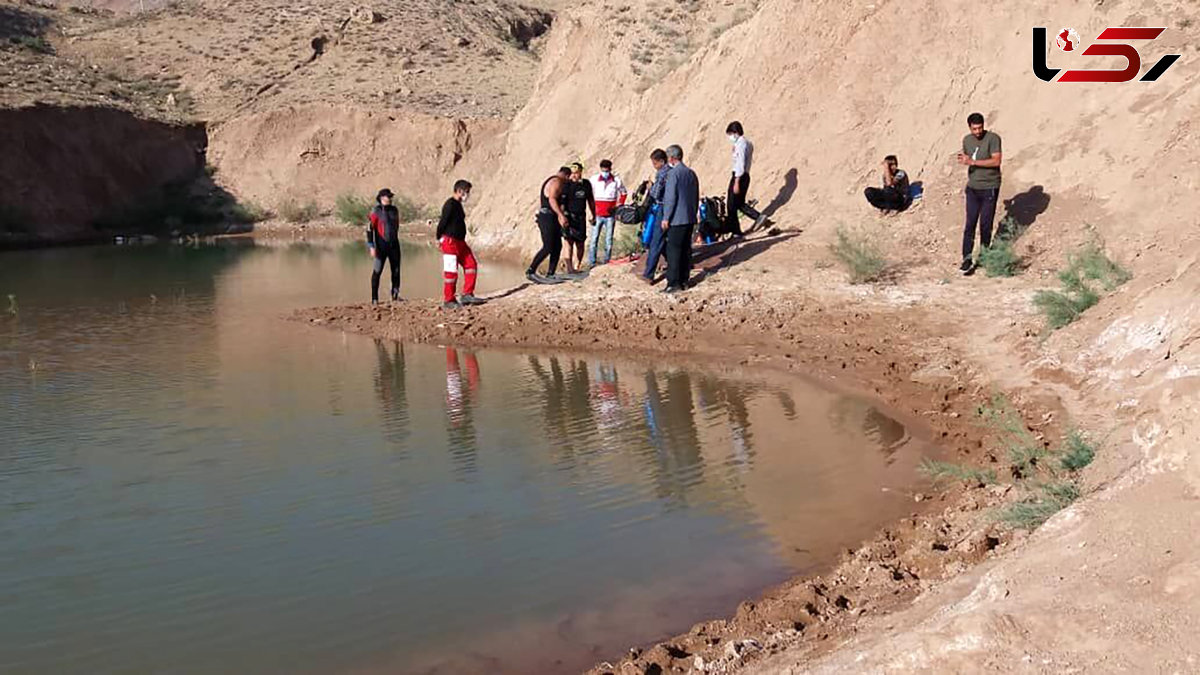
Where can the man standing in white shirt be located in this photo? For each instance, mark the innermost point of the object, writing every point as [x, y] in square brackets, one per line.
[739, 182]
[608, 192]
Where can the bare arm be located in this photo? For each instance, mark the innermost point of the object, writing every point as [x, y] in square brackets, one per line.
[553, 193]
[992, 162]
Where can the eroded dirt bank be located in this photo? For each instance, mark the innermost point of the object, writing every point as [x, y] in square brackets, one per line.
[876, 342]
[69, 172]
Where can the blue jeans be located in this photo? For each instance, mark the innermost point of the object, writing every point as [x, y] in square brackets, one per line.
[656, 248]
[607, 224]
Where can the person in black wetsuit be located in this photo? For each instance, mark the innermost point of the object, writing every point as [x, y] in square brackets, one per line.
[579, 202]
[551, 219]
[383, 243]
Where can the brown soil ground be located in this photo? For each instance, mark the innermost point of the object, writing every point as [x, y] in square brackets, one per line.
[872, 340]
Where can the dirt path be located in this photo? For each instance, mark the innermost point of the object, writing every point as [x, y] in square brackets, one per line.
[930, 349]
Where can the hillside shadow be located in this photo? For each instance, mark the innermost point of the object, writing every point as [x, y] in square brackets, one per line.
[790, 181]
[730, 253]
[1024, 209]
[17, 23]
[191, 204]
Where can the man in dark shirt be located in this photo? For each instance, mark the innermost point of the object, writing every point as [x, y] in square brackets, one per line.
[658, 237]
[579, 201]
[452, 238]
[893, 196]
[981, 153]
[681, 202]
[383, 243]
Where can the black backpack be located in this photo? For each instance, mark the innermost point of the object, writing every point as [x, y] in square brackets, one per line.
[712, 217]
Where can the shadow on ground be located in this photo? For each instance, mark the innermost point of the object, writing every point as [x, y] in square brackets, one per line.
[786, 191]
[730, 253]
[1023, 209]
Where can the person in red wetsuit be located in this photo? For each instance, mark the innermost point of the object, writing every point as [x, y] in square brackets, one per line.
[452, 238]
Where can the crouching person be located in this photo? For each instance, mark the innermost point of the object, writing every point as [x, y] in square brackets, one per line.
[894, 194]
[452, 238]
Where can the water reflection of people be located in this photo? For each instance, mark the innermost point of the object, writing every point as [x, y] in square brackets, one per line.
[859, 417]
[460, 401]
[390, 387]
[670, 417]
[731, 398]
[605, 398]
[568, 426]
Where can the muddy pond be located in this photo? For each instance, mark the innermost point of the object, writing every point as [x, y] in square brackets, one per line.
[191, 484]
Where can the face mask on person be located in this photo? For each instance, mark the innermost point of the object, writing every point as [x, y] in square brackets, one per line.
[465, 197]
[605, 174]
[733, 138]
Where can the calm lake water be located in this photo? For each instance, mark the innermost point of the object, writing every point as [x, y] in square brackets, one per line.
[189, 484]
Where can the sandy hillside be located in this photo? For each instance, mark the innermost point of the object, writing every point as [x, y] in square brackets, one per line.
[825, 89]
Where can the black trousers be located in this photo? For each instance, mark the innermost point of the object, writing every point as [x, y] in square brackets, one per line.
[888, 199]
[736, 203]
[981, 209]
[679, 255]
[551, 242]
[389, 253]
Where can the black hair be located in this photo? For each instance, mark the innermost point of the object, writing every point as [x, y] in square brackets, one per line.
[891, 158]
[565, 170]
[735, 127]
[606, 164]
[659, 155]
[462, 185]
[975, 118]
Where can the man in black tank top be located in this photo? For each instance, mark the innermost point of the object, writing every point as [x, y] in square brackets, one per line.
[551, 219]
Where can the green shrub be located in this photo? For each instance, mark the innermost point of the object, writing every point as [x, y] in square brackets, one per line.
[1077, 452]
[1090, 264]
[1060, 309]
[295, 212]
[859, 254]
[625, 240]
[411, 212]
[938, 470]
[247, 213]
[1036, 468]
[351, 209]
[35, 43]
[1047, 500]
[999, 259]
[175, 205]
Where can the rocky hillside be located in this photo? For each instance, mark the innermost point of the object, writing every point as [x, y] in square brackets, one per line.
[37, 66]
[446, 58]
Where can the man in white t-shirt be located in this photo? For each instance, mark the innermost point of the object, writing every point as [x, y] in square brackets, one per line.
[608, 192]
